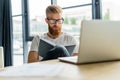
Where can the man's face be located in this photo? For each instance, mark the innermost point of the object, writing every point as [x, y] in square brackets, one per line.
[54, 21]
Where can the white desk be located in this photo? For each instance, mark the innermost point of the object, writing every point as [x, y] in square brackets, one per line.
[55, 70]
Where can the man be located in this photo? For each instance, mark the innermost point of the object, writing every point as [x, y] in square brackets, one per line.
[55, 35]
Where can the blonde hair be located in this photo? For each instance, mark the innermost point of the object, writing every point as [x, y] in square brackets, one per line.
[53, 9]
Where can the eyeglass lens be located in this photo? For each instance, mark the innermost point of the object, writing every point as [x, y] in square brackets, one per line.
[53, 21]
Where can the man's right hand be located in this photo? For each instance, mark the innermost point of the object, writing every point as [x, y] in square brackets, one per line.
[74, 54]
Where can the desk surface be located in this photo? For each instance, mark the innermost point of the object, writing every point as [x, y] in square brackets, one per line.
[55, 70]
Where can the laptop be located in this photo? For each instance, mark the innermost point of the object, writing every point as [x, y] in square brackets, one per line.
[99, 41]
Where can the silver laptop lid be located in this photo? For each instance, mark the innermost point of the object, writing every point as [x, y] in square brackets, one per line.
[100, 41]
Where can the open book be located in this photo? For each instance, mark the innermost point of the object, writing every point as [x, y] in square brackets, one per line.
[45, 46]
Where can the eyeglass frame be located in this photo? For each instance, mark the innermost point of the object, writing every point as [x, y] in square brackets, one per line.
[55, 20]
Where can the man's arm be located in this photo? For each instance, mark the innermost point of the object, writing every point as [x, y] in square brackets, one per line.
[33, 57]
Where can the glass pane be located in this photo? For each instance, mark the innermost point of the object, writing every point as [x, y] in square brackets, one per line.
[73, 17]
[67, 3]
[16, 7]
[37, 16]
[110, 10]
[17, 41]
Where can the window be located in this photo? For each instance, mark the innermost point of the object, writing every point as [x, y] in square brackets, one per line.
[110, 10]
[73, 13]
[16, 7]
[37, 16]
[68, 3]
[17, 32]
[73, 17]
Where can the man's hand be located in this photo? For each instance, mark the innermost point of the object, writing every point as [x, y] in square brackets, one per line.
[33, 57]
[74, 54]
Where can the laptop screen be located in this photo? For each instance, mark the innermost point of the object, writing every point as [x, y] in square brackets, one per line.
[99, 41]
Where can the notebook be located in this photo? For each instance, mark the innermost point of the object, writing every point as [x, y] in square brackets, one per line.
[99, 41]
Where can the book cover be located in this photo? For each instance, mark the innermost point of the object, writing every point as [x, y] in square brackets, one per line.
[45, 46]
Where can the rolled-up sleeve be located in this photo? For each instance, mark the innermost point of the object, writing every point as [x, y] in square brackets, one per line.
[35, 44]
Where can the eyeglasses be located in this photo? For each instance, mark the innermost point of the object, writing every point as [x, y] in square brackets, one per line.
[54, 21]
